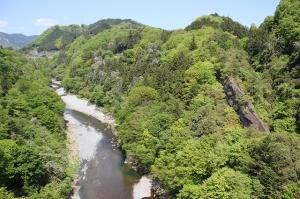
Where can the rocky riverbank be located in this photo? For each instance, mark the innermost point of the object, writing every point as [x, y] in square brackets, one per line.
[142, 189]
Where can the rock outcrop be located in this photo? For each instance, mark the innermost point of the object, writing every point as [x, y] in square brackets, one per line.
[158, 190]
[132, 161]
[245, 109]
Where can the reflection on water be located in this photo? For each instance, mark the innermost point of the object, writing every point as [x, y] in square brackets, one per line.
[102, 175]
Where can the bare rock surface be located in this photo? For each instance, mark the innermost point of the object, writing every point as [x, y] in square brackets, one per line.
[245, 109]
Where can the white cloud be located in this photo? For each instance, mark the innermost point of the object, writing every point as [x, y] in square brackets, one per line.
[45, 22]
[3, 24]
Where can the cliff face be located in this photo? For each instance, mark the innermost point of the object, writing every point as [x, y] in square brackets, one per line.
[245, 109]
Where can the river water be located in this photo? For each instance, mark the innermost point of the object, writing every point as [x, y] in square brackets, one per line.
[102, 174]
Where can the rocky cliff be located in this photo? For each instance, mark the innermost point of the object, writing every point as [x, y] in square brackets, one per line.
[245, 109]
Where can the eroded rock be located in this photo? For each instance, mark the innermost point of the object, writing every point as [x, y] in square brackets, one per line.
[245, 109]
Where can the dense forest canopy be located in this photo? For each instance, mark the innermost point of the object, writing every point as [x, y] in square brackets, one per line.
[211, 111]
[32, 141]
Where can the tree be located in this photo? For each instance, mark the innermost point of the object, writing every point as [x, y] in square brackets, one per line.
[291, 191]
[193, 45]
[276, 161]
[5, 194]
[196, 159]
[98, 95]
[288, 23]
[32, 145]
[54, 190]
[12, 67]
[4, 120]
[226, 184]
[142, 95]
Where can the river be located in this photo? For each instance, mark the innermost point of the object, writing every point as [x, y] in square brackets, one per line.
[102, 173]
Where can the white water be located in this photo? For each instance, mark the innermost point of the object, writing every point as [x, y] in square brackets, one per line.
[87, 142]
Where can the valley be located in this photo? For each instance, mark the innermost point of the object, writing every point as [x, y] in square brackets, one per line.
[120, 109]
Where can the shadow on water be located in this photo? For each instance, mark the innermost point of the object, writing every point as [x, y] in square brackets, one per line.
[104, 176]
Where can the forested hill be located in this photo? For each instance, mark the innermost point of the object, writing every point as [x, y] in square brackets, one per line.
[33, 155]
[58, 37]
[210, 111]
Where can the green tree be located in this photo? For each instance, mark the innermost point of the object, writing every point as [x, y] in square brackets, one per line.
[142, 95]
[225, 183]
[276, 162]
[193, 45]
[98, 96]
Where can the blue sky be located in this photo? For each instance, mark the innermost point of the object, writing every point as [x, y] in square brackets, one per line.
[34, 16]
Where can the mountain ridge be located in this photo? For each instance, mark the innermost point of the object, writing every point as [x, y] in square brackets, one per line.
[209, 111]
[15, 40]
[58, 36]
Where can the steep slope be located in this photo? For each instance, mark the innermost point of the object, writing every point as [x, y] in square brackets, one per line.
[33, 155]
[56, 37]
[274, 52]
[211, 111]
[15, 40]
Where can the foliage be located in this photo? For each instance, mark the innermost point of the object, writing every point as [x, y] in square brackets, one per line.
[216, 21]
[166, 91]
[56, 37]
[54, 190]
[32, 143]
[142, 95]
[11, 64]
[98, 96]
[273, 49]
[225, 183]
[197, 159]
[276, 162]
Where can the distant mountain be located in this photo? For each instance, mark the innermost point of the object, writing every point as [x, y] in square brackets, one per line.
[57, 37]
[15, 40]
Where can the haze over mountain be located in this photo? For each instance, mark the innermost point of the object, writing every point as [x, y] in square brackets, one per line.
[15, 40]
